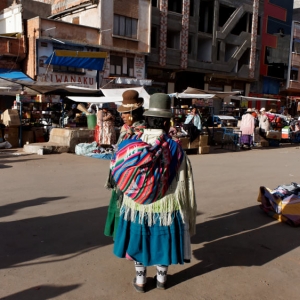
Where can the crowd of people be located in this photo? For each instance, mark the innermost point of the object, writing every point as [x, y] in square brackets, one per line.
[258, 122]
[152, 210]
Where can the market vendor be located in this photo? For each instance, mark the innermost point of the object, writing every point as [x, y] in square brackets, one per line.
[264, 124]
[286, 113]
[193, 124]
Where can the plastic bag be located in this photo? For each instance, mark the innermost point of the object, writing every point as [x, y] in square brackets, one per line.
[85, 148]
[5, 145]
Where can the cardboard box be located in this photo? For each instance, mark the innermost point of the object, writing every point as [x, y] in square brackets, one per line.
[204, 149]
[11, 134]
[184, 142]
[264, 143]
[285, 133]
[274, 135]
[27, 137]
[11, 118]
[203, 140]
[38, 134]
[195, 143]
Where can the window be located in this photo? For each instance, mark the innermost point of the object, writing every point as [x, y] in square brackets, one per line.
[75, 20]
[294, 74]
[190, 44]
[296, 46]
[173, 39]
[64, 69]
[130, 66]
[42, 60]
[191, 8]
[175, 5]
[153, 37]
[206, 16]
[116, 63]
[120, 66]
[154, 3]
[225, 13]
[125, 26]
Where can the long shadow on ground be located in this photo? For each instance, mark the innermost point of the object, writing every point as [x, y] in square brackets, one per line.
[63, 234]
[239, 238]
[41, 292]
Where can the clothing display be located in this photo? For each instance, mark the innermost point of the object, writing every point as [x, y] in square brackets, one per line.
[282, 203]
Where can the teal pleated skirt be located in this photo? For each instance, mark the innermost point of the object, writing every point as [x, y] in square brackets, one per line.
[151, 245]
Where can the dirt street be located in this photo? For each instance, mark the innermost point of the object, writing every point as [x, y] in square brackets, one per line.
[52, 214]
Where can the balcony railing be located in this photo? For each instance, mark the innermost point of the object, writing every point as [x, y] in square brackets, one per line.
[295, 59]
[294, 84]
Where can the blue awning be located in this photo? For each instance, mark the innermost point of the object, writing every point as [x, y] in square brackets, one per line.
[14, 75]
[78, 59]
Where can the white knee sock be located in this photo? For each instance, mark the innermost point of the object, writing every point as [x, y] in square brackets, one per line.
[161, 273]
[141, 273]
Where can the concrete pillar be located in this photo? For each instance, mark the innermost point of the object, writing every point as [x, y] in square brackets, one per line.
[214, 49]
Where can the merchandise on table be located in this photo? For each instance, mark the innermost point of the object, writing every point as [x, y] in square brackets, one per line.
[282, 203]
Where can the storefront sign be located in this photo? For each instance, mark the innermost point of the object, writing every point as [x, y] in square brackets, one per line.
[72, 79]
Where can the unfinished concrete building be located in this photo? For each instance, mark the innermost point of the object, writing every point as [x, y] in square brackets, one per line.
[124, 33]
[208, 44]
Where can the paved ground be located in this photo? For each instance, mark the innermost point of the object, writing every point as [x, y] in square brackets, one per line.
[52, 213]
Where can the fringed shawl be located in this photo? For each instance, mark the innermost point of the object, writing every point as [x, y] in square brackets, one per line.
[144, 172]
[180, 198]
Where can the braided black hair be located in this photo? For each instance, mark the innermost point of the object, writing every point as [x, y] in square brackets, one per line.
[156, 122]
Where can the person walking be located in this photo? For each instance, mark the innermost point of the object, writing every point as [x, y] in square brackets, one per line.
[247, 128]
[264, 124]
[132, 114]
[158, 211]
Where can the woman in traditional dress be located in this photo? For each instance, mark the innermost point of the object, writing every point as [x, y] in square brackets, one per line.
[106, 123]
[132, 114]
[158, 211]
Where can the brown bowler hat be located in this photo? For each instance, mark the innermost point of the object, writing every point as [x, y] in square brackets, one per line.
[131, 101]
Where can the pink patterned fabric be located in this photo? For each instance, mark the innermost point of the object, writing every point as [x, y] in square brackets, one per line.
[185, 33]
[253, 38]
[163, 32]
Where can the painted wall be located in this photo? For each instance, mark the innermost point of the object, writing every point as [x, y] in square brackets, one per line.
[276, 33]
[11, 20]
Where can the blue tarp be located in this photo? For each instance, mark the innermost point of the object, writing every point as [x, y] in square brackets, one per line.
[90, 63]
[14, 75]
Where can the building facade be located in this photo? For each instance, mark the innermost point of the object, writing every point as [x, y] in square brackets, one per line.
[124, 33]
[211, 45]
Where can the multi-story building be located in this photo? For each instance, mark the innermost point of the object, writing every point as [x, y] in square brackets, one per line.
[13, 43]
[212, 45]
[275, 53]
[124, 33]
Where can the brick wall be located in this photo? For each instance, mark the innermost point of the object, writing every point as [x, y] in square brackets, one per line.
[127, 8]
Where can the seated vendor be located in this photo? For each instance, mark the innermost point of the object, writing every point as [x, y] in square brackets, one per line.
[193, 124]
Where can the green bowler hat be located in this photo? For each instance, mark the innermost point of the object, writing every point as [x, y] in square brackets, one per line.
[159, 106]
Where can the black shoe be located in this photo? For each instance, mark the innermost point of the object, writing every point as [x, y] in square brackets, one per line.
[138, 288]
[160, 285]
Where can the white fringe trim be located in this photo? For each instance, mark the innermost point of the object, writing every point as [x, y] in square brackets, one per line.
[180, 198]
